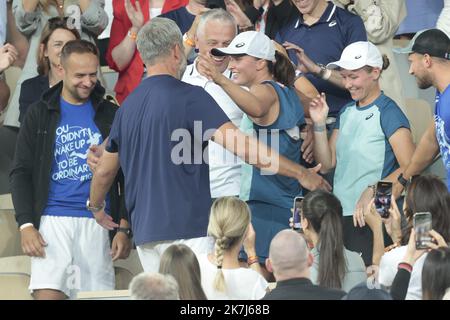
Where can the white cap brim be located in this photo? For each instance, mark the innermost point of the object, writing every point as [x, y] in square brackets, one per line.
[227, 51]
[347, 65]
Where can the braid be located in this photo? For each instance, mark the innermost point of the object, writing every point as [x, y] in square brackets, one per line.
[220, 246]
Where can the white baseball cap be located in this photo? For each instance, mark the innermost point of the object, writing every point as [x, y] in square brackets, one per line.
[252, 43]
[357, 55]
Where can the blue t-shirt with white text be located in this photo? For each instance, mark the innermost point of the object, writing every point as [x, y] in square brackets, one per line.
[442, 125]
[70, 174]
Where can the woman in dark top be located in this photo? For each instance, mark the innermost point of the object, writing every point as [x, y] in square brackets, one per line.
[54, 36]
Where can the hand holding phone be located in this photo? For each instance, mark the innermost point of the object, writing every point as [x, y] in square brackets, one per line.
[422, 227]
[383, 195]
[296, 223]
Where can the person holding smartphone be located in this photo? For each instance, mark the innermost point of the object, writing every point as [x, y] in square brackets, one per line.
[371, 140]
[424, 194]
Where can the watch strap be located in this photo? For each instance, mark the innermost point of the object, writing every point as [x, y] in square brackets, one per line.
[402, 180]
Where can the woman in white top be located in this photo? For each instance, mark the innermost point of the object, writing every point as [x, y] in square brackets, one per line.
[425, 194]
[221, 273]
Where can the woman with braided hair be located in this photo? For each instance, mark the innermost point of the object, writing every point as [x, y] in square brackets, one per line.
[222, 275]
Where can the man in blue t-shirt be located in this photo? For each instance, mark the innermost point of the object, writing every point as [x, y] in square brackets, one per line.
[429, 55]
[159, 138]
[318, 37]
[50, 183]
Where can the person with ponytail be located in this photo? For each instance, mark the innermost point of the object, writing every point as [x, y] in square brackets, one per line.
[371, 140]
[334, 266]
[275, 114]
[223, 278]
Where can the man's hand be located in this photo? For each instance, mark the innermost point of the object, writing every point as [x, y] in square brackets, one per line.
[93, 157]
[8, 55]
[105, 220]
[120, 247]
[312, 181]
[32, 242]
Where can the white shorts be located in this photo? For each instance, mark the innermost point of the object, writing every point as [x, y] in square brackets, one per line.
[150, 253]
[77, 257]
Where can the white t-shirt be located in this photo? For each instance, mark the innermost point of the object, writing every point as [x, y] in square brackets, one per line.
[388, 270]
[241, 284]
[224, 167]
[109, 11]
[154, 12]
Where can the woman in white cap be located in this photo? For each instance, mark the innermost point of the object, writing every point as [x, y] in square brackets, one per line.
[371, 140]
[275, 114]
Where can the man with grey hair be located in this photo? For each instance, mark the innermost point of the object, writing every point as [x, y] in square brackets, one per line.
[290, 261]
[154, 286]
[158, 139]
[216, 29]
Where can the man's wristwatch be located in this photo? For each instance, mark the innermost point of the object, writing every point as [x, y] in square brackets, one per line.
[402, 180]
[94, 209]
[127, 231]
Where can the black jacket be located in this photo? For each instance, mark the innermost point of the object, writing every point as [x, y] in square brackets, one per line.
[30, 176]
[31, 92]
[302, 289]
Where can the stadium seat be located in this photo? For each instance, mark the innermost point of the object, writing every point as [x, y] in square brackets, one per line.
[9, 233]
[15, 278]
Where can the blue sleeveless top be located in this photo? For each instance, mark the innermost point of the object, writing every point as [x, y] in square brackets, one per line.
[283, 136]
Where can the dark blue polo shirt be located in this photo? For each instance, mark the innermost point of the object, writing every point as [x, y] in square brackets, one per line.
[182, 18]
[324, 42]
[160, 134]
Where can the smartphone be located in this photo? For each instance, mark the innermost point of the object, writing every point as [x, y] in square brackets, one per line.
[422, 226]
[383, 196]
[296, 224]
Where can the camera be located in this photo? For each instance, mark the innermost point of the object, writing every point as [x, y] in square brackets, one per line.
[422, 227]
[214, 4]
[296, 224]
[383, 195]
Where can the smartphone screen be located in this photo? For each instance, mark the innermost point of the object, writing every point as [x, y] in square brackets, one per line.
[383, 195]
[422, 227]
[296, 225]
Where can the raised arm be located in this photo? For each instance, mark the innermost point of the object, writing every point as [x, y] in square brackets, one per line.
[93, 16]
[256, 103]
[260, 155]
[324, 150]
[306, 65]
[27, 15]
[123, 52]
[423, 156]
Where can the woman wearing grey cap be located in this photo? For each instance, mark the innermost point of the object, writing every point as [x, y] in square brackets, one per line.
[371, 140]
